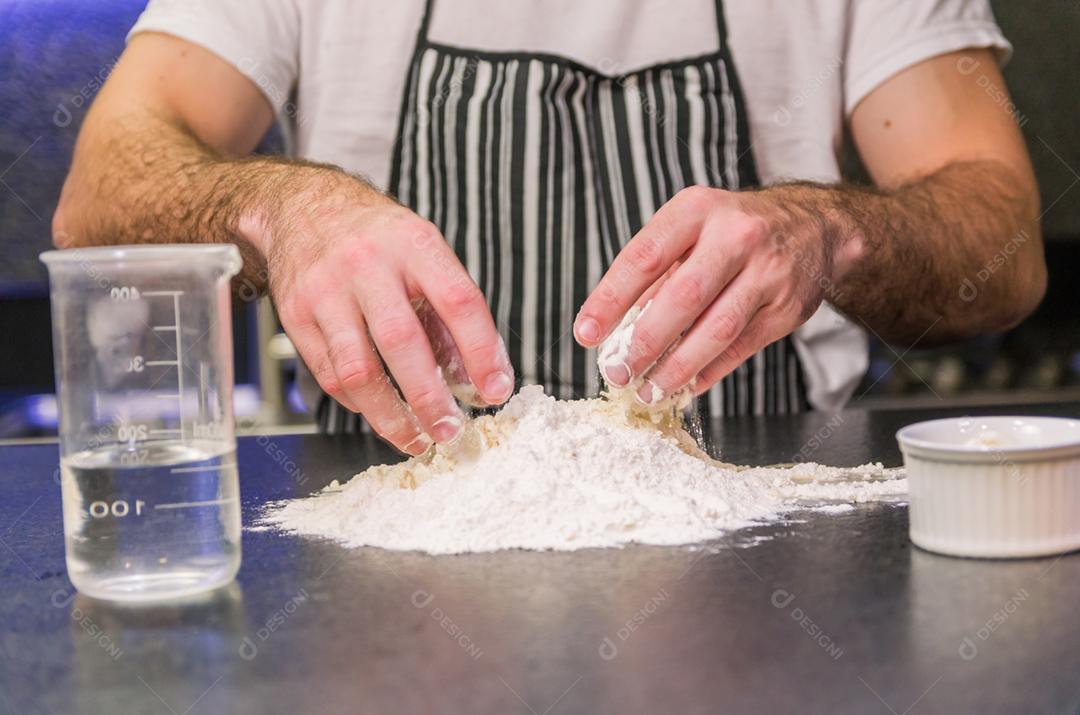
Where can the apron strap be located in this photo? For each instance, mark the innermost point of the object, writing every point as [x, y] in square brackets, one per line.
[410, 77]
[425, 22]
[721, 23]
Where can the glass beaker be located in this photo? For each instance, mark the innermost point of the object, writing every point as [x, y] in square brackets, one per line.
[142, 341]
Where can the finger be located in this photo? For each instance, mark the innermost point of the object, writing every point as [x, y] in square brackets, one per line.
[460, 304]
[652, 290]
[609, 364]
[713, 333]
[445, 350]
[680, 301]
[404, 347]
[759, 332]
[362, 378]
[308, 339]
[665, 238]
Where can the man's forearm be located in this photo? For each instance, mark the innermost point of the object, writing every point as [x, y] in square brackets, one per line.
[146, 180]
[948, 256]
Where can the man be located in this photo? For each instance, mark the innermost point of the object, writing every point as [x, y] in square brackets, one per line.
[548, 157]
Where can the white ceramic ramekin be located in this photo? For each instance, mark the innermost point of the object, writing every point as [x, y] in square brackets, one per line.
[994, 487]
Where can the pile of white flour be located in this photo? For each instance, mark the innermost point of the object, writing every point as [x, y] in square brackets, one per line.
[552, 474]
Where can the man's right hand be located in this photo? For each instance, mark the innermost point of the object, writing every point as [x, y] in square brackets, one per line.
[159, 159]
[347, 267]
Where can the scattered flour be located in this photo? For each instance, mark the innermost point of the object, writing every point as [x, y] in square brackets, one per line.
[565, 475]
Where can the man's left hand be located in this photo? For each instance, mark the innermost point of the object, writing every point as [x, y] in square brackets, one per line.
[727, 274]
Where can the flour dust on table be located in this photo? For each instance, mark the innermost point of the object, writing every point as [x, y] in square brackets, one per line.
[564, 475]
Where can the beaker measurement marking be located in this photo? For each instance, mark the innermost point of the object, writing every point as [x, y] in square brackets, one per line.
[166, 431]
[131, 432]
[212, 430]
[127, 293]
[207, 468]
[124, 293]
[189, 504]
[118, 508]
[179, 356]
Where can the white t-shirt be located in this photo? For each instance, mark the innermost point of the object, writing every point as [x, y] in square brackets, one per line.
[335, 72]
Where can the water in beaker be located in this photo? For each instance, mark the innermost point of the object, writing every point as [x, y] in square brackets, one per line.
[143, 349]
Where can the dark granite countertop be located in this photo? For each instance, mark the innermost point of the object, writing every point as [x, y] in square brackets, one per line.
[831, 613]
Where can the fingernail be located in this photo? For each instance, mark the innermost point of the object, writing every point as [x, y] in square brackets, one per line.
[588, 330]
[649, 393]
[418, 445]
[618, 375]
[498, 387]
[446, 429]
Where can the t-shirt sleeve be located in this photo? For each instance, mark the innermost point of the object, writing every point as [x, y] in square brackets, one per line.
[261, 38]
[888, 36]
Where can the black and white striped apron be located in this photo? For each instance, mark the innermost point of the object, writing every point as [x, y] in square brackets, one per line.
[538, 170]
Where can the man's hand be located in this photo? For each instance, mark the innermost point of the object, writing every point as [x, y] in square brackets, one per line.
[159, 160]
[347, 268]
[727, 272]
[948, 246]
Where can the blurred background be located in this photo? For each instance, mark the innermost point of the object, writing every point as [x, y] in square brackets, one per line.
[55, 54]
